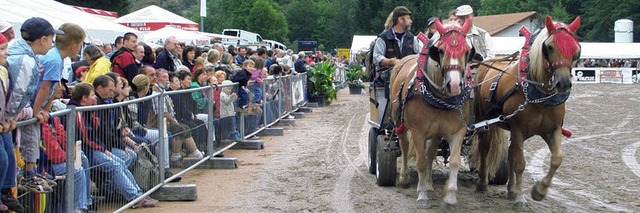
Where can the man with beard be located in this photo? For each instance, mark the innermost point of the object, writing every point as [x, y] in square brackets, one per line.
[393, 44]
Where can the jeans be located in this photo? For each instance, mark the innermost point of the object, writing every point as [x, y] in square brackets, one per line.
[256, 90]
[9, 176]
[243, 98]
[128, 158]
[116, 170]
[81, 183]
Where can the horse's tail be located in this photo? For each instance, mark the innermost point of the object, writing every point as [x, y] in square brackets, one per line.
[496, 142]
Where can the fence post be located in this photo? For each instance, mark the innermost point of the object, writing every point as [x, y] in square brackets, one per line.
[210, 133]
[71, 155]
[264, 103]
[280, 95]
[163, 130]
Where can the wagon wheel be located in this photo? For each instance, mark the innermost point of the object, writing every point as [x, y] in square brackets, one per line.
[502, 175]
[371, 159]
[385, 164]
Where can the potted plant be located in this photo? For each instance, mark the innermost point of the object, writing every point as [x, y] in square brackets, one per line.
[321, 88]
[354, 79]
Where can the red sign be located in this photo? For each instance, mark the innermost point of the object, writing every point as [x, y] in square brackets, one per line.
[141, 26]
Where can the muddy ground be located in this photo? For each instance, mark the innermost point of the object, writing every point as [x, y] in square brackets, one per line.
[319, 165]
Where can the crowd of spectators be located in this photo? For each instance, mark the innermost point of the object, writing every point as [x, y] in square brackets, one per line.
[41, 73]
[590, 62]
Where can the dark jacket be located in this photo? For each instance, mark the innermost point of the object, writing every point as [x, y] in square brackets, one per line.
[87, 124]
[185, 107]
[392, 48]
[107, 131]
[299, 66]
[242, 77]
[165, 61]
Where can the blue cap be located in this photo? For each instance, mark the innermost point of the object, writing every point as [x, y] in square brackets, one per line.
[431, 20]
[36, 27]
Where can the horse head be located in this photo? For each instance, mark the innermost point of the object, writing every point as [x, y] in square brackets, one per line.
[560, 49]
[449, 56]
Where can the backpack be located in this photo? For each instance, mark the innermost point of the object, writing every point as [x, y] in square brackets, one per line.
[368, 60]
[146, 169]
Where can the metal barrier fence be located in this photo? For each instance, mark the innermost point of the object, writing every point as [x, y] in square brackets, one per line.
[115, 172]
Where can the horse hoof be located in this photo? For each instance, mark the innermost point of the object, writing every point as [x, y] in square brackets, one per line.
[481, 189]
[448, 208]
[424, 204]
[511, 196]
[522, 207]
[535, 194]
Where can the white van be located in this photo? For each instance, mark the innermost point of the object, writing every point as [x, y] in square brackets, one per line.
[275, 45]
[247, 37]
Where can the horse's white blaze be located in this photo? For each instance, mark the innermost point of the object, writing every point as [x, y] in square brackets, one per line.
[454, 82]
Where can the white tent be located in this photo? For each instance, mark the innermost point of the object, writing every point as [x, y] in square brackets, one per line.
[17, 11]
[360, 44]
[188, 37]
[610, 50]
[509, 45]
[153, 18]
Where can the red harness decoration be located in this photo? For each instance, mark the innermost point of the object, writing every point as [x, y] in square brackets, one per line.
[524, 53]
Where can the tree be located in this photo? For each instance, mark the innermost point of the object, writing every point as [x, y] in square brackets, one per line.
[264, 19]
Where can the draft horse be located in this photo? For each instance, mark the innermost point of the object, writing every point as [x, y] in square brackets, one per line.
[429, 104]
[529, 97]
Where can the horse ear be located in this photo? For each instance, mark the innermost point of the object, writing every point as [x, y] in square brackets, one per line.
[466, 26]
[549, 23]
[574, 25]
[439, 26]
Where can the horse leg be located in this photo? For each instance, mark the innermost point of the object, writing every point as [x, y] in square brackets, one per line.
[539, 191]
[405, 180]
[451, 187]
[517, 163]
[483, 146]
[432, 151]
[419, 143]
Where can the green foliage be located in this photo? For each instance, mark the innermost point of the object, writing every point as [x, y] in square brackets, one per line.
[322, 82]
[355, 75]
[266, 20]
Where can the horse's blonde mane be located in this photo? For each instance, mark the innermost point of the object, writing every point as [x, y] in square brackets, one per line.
[536, 62]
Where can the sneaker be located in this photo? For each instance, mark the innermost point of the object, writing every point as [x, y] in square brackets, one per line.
[51, 182]
[176, 157]
[168, 174]
[11, 203]
[254, 137]
[196, 154]
[36, 185]
[146, 203]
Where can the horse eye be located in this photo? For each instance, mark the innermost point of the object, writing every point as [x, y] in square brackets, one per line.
[550, 48]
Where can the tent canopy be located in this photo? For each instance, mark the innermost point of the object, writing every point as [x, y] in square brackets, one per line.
[360, 44]
[509, 45]
[188, 37]
[18, 11]
[153, 18]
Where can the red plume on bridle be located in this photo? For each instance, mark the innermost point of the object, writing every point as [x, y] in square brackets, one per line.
[563, 36]
[453, 38]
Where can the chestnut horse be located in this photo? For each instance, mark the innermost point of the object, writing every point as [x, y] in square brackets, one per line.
[531, 100]
[430, 102]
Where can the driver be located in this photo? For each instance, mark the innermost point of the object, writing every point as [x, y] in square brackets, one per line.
[394, 44]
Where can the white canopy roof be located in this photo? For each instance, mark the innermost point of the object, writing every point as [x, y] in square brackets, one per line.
[190, 38]
[509, 45]
[17, 11]
[153, 14]
[220, 36]
[360, 44]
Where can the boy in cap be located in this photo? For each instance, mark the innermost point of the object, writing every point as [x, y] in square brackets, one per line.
[24, 72]
[480, 38]
[431, 28]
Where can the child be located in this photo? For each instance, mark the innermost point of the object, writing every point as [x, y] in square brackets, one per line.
[242, 77]
[7, 157]
[24, 67]
[227, 112]
[257, 76]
